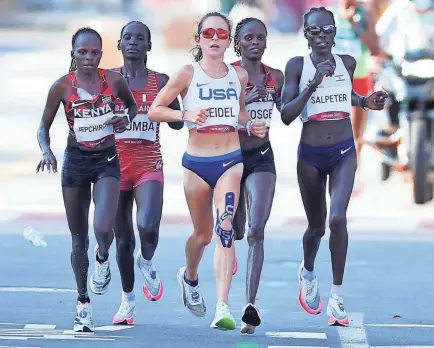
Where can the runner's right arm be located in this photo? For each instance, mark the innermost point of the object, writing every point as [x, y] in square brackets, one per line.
[55, 97]
[160, 110]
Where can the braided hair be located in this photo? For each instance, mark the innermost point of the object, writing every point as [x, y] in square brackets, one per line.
[315, 10]
[85, 30]
[197, 51]
[238, 29]
[148, 32]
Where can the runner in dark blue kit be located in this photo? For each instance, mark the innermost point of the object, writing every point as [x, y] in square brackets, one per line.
[88, 95]
[318, 88]
[259, 176]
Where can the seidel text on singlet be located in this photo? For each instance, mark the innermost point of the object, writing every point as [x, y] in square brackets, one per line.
[141, 139]
[220, 95]
[332, 99]
[87, 115]
[261, 110]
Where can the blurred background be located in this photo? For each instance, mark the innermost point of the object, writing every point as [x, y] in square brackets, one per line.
[35, 50]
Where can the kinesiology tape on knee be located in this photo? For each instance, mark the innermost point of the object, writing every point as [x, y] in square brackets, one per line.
[226, 236]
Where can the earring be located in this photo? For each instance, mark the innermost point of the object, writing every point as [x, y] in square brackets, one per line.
[308, 46]
[334, 44]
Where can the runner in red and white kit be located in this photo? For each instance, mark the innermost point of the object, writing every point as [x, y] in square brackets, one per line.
[141, 172]
[88, 95]
[259, 176]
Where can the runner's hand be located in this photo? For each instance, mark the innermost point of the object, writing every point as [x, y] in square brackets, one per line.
[323, 69]
[119, 123]
[258, 128]
[197, 116]
[48, 160]
[255, 94]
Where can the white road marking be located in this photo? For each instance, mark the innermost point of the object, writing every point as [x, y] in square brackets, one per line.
[13, 338]
[68, 337]
[39, 327]
[113, 328]
[32, 289]
[402, 346]
[353, 336]
[429, 326]
[315, 335]
[297, 347]
[17, 347]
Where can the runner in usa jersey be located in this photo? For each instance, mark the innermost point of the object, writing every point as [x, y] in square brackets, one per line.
[259, 175]
[319, 89]
[213, 97]
[88, 95]
[141, 167]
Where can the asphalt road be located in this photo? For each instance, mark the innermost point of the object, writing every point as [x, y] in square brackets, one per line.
[389, 278]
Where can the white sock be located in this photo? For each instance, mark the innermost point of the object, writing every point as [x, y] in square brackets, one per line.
[336, 289]
[309, 275]
[145, 263]
[129, 296]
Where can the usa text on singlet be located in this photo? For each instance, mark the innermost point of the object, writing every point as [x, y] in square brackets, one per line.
[141, 129]
[261, 110]
[332, 98]
[87, 115]
[221, 96]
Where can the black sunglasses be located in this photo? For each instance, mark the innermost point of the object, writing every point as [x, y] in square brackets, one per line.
[315, 29]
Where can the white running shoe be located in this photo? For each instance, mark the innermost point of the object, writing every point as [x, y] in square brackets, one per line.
[83, 319]
[126, 313]
[223, 319]
[191, 296]
[308, 295]
[250, 319]
[152, 286]
[101, 277]
[336, 311]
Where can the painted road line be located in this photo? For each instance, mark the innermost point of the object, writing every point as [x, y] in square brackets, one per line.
[39, 327]
[424, 326]
[402, 346]
[113, 328]
[13, 338]
[297, 347]
[312, 335]
[32, 289]
[68, 337]
[353, 336]
[17, 347]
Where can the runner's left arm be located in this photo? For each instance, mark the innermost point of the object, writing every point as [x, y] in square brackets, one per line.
[162, 80]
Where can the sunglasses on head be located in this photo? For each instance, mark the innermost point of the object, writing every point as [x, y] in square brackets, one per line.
[315, 29]
[209, 33]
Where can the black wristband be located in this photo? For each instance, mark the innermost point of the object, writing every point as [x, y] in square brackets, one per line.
[311, 88]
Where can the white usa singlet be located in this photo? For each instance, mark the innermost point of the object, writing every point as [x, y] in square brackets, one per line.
[221, 96]
[332, 98]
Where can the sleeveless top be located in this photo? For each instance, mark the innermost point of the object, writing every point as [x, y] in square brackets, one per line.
[332, 98]
[261, 110]
[141, 140]
[220, 95]
[86, 115]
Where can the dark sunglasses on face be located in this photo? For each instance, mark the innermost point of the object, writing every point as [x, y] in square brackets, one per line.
[209, 33]
[316, 30]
